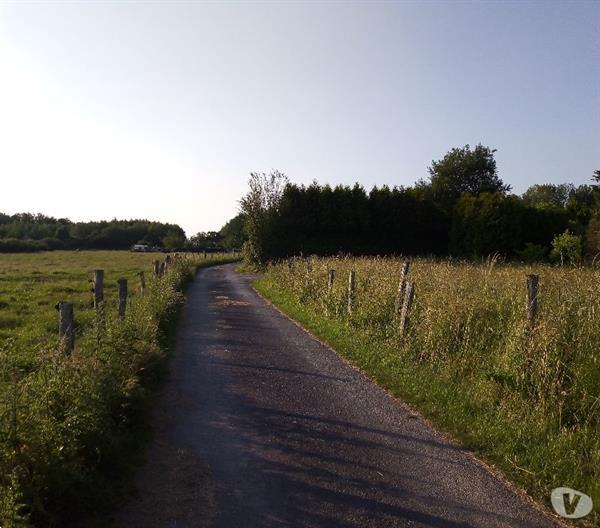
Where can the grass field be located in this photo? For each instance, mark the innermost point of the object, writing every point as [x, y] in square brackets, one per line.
[70, 425]
[527, 399]
[32, 283]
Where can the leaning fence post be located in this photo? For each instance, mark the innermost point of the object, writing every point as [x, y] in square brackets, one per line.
[330, 279]
[351, 290]
[406, 307]
[156, 268]
[401, 287]
[65, 326]
[122, 296]
[98, 288]
[532, 297]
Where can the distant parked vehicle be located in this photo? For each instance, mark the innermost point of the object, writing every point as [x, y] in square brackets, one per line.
[141, 247]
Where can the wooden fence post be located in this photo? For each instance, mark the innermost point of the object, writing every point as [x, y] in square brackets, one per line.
[401, 287]
[532, 298]
[330, 279]
[406, 307]
[156, 268]
[65, 326]
[142, 282]
[161, 269]
[98, 288]
[122, 296]
[351, 290]
[168, 261]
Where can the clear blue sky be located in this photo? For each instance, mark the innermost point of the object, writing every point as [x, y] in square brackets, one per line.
[161, 110]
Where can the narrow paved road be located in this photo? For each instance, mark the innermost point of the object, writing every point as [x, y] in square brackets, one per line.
[268, 427]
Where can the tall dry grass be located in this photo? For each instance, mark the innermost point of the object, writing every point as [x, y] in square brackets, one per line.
[526, 397]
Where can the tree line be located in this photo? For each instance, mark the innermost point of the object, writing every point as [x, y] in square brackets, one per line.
[463, 209]
[35, 232]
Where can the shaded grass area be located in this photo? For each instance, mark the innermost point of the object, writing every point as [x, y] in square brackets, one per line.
[468, 363]
[71, 427]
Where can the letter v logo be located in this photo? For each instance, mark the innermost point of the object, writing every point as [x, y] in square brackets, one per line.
[570, 503]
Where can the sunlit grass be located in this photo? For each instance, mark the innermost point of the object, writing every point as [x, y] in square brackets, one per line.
[32, 283]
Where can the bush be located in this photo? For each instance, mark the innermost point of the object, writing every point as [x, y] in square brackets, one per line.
[15, 245]
[533, 253]
[566, 248]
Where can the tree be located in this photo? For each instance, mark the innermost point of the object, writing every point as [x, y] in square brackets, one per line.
[494, 223]
[548, 195]
[173, 241]
[464, 170]
[567, 248]
[592, 238]
[486, 224]
[233, 233]
[206, 240]
[260, 206]
[582, 204]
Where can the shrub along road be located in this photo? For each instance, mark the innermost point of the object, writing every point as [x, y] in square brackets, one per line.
[261, 425]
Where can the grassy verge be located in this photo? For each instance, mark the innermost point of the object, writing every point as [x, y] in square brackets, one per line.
[71, 426]
[488, 409]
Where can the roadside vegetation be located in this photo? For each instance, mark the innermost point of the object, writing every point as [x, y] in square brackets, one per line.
[71, 425]
[526, 398]
[525, 395]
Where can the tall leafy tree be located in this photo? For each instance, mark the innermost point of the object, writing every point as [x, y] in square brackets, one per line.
[464, 170]
[548, 195]
[233, 233]
[210, 240]
[260, 206]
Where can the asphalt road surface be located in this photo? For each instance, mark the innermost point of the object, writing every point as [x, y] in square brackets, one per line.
[260, 425]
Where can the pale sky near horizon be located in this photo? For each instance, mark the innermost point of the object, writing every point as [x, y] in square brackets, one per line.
[160, 110]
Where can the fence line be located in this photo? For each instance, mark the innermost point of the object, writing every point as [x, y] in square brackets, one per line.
[405, 294]
[66, 312]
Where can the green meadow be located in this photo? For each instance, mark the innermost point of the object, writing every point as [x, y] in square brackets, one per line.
[32, 283]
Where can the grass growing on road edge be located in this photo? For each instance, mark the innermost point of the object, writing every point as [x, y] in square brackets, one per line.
[71, 425]
[484, 407]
